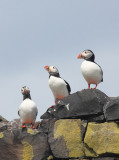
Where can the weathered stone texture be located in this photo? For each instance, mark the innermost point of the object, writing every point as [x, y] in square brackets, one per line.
[106, 158]
[2, 119]
[111, 110]
[101, 139]
[65, 138]
[24, 144]
[81, 104]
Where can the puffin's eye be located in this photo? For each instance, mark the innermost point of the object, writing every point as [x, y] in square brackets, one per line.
[85, 52]
[53, 67]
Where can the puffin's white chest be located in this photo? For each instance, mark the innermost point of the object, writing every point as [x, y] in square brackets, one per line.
[91, 72]
[28, 111]
[58, 87]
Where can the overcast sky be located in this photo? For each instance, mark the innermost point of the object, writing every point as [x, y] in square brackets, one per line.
[37, 33]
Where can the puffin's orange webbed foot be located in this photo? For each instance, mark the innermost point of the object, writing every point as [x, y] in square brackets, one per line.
[88, 86]
[23, 126]
[32, 126]
[95, 87]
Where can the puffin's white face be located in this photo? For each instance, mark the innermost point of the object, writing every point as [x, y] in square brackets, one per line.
[51, 69]
[86, 54]
[25, 90]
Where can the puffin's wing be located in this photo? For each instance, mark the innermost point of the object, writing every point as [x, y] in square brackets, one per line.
[68, 86]
[102, 75]
[37, 112]
[101, 71]
[19, 111]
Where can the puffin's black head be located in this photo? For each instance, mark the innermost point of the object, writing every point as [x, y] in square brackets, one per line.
[87, 55]
[25, 90]
[52, 70]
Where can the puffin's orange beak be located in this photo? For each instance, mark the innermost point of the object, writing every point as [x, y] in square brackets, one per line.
[46, 68]
[25, 91]
[80, 56]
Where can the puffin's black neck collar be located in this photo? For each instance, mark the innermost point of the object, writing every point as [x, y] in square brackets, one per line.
[54, 74]
[91, 59]
[26, 96]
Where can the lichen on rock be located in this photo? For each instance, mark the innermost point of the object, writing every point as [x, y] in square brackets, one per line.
[102, 138]
[67, 132]
[27, 151]
[1, 135]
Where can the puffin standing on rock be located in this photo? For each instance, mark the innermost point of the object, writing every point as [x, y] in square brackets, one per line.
[28, 109]
[91, 71]
[59, 87]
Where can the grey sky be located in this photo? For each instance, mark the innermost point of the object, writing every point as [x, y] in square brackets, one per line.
[53, 32]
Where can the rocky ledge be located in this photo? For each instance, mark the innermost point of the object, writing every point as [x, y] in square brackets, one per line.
[84, 126]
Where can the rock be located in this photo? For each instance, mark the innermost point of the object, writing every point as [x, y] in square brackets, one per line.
[83, 126]
[97, 118]
[14, 124]
[23, 144]
[50, 158]
[45, 124]
[48, 114]
[3, 124]
[3, 119]
[114, 98]
[111, 110]
[105, 158]
[65, 138]
[68, 159]
[3, 127]
[81, 104]
[102, 139]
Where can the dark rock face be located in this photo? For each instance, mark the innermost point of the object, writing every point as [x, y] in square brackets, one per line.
[105, 158]
[3, 127]
[3, 119]
[111, 110]
[26, 144]
[59, 151]
[81, 104]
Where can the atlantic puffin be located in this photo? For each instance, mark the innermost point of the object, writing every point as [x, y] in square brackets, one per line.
[28, 109]
[59, 87]
[91, 71]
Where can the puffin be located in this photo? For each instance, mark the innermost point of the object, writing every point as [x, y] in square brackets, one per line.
[91, 71]
[59, 87]
[28, 109]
